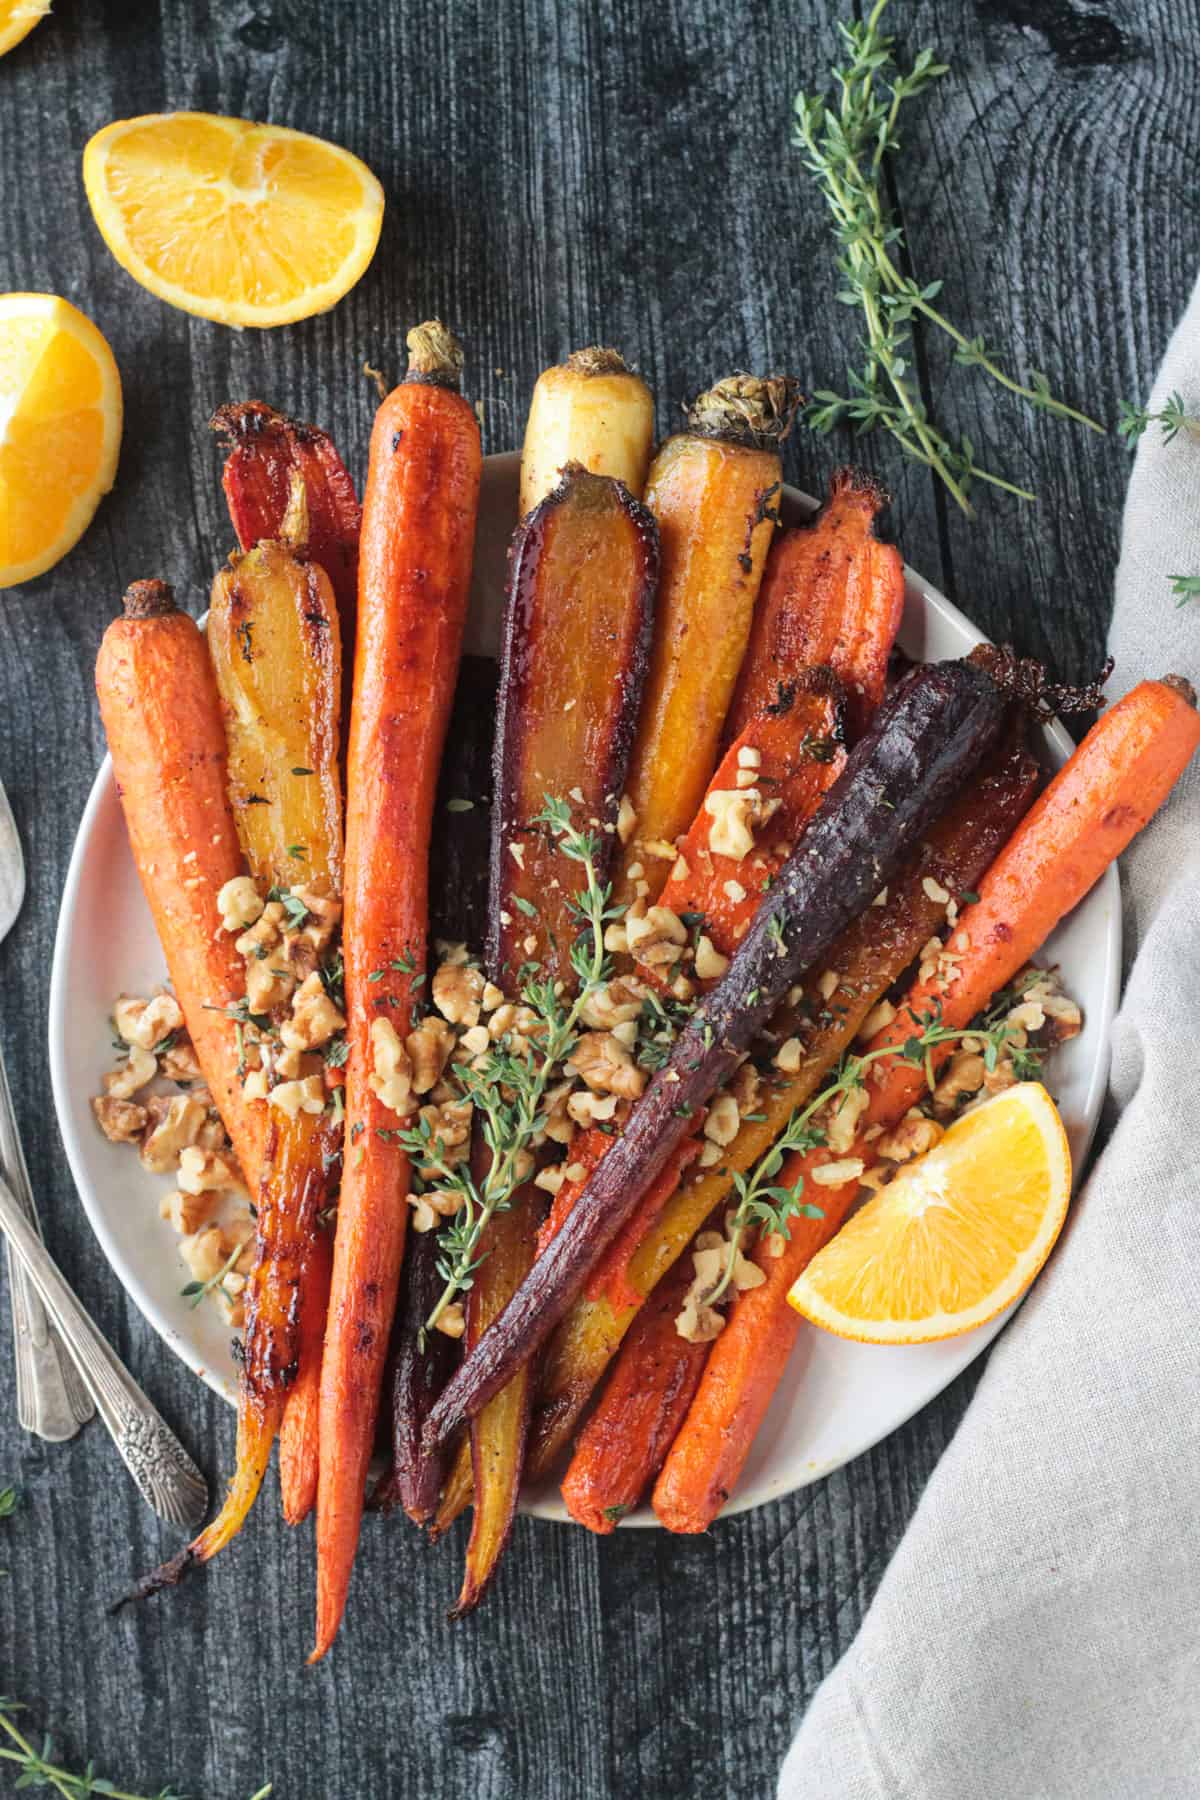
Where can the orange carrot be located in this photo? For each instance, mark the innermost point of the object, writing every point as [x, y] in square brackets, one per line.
[799, 757]
[742, 1372]
[1113, 784]
[298, 1435]
[415, 567]
[622, 1446]
[831, 593]
[162, 716]
[714, 490]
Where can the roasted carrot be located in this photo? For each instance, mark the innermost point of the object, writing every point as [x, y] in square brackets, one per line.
[742, 1372]
[162, 716]
[299, 1432]
[868, 958]
[927, 738]
[274, 639]
[832, 594]
[584, 565]
[714, 491]
[622, 1446]
[421, 1363]
[414, 573]
[583, 572]
[1111, 786]
[1095, 805]
[458, 1492]
[743, 834]
[591, 410]
[266, 450]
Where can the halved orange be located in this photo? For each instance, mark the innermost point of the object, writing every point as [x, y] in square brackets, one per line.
[17, 20]
[60, 430]
[957, 1235]
[242, 223]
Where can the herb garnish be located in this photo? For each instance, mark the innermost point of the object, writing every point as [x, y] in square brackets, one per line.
[1173, 417]
[196, 1290]
[1185, 587]
[846, 136]
[765, 1203]
[38, 1770]
[508, 1088]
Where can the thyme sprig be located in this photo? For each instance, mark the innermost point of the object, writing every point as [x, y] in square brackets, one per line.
[508, 1087]
[764, 1202]
[1174, 417]
[38, 1768]
[1185, 588]
[195, 1291]
[847, 136]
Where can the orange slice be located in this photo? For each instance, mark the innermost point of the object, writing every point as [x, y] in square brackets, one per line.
[956, 1236]
[60, 430]
[17, 20]
[245, 224]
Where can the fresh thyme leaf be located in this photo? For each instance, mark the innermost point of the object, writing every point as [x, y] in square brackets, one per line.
[336, 1051]
[298, 852]
[460, 806]
[525, 906]
[295, 909]
[846, 138]
[301, 771]
[8, 1502]
[1173, 417]
[39, 1770]
[1185, 587]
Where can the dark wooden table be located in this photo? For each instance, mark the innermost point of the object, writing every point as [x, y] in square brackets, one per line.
[556, 174]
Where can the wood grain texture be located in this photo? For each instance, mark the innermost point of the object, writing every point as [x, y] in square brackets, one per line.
[556, 174]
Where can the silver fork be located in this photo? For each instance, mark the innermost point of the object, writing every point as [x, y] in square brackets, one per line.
[51, 1399]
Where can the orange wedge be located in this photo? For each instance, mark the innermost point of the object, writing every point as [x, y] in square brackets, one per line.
[245, 224]
[60, 430]
[17, 20]
[958, 1234]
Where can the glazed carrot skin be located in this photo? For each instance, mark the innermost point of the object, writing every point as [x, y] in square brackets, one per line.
[714, 491]
[868, 958]
[162, 717]
[831, 594]
[1110, 788]
[298, 1434]
[622, 1446]
[800, 756]
[415, 567]
[266, 450]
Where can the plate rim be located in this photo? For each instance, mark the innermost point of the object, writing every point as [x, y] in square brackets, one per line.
[543, 1503]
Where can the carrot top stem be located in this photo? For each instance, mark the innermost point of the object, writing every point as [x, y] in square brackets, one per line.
[434, 354]
[597, 360]
[755, 410]
[149, 600]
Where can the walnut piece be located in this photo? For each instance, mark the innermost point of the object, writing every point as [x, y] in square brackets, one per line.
[179, 1125]
[239, 903]
[121, 1121]
[131, 1076]
[458, 992]
[429, 1048]
[390, 1079]
[606, 1065]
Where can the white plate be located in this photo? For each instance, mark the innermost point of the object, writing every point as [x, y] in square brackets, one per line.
[839, 1397]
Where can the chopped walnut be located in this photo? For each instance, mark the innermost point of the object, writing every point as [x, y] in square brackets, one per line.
[962, 1077]
[452, 1320]
[911, 1137]
[179, 1125]
[423, 1216]
[841, 1119]
[121, 1121]
[205, 1253]
[147, 1022]
[458, 992]
[239, 903]
[131, 1076]
[616, 1003]
[789, 1055]
[180, 1062]
[724, 1118]
[587, 1109]
[880, 1016]
[449, 1133]
[429, 1048]
[833, 1174]
[626, 819]
[656, 936]
[735, 814]
[294, 1097]
[314, 1019]
[710, 965]
[324, 916]
[204, 1171]
[186, 1212]
[606, 1065]
[390, 1079]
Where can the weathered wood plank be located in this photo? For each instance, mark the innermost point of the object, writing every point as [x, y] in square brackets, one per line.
[555, 174]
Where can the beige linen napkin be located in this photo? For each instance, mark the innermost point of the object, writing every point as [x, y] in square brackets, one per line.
[1037, 1634]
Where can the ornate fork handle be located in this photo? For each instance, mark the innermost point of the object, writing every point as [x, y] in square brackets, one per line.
[166, 1476]
[51, 1399]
